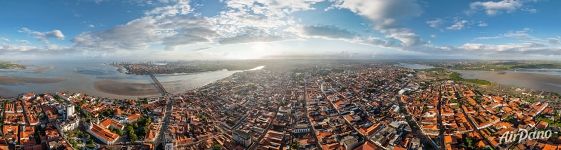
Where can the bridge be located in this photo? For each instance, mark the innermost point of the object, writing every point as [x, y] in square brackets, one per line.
[158, 85]
[163, 136]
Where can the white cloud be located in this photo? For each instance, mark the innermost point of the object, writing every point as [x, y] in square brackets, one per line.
[24, 46]
[554, 41]
[387, 16]
[257, 36]
[522, 34]
[524, 44]
[3, 39]
[135, 35]
[435, 23]
[382, 9]
[324, 31]
[458, 25]
[181, 7]
[44, 36]
[482, 24]
[530, 10]
[502, 6]
[512, 48]
[175, 24]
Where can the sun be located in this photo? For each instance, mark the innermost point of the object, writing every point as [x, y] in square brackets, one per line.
[255, 50]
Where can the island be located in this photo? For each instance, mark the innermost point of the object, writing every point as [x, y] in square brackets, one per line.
[8, 65]
[145, 68]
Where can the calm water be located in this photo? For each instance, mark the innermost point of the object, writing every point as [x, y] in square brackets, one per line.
[81, 76]
[176, 83]
[415, 66]
[539, 79]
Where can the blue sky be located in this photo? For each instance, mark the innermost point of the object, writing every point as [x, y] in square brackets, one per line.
[250, 29]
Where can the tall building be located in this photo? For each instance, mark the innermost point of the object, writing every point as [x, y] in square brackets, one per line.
[69, 111]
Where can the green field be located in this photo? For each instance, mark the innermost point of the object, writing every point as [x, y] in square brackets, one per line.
[506, 66]
[456, 77]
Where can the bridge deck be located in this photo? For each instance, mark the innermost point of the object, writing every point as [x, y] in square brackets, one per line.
[158, 84]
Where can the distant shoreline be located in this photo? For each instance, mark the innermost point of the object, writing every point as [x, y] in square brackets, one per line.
[534, 81]
[6, 65]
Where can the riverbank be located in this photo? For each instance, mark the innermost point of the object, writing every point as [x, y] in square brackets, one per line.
[528, 80]
[126, 88]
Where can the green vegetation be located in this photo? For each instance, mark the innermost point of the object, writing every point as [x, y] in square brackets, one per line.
[138, 129]
[216, 146]
[456, 77]
[436, 69]
[510, 119]
[556, 122]
[117, 131]
[131, 133]
[295, 145]
[469, 143]
[90, 144]
[108, 113]
[537, 66]
[6, 65]
[501, 66]
[187, 67]
[75, 138]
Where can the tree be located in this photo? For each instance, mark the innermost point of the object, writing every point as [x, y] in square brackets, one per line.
[130, 133]
[295, 145]
[469, 143]
[73, 143]
[133, 137]
[216, 146]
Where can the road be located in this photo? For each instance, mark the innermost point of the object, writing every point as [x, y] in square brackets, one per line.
[169, 105]
[470, 120]
[439, 120]
[366, 138]
[163, 130]
[415, 126]
[256, 143]
[313, 131]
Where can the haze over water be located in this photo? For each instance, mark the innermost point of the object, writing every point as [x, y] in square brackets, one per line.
[536, 79]
[81, 76]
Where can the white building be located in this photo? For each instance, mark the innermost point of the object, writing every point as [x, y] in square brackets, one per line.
[69, 124]
[69, 111]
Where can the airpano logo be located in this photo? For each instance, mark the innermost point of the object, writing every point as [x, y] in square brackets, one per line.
[523, 135]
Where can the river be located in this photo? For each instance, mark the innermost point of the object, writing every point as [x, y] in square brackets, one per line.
[537, 79]
[96, 78]
[544, 79]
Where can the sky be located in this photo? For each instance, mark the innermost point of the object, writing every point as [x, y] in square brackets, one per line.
[255, 29]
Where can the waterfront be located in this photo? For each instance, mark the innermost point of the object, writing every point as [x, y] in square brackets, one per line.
[542, 80]
[96, 78]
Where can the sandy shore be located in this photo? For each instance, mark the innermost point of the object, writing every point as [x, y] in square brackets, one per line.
[536, 81]
[126, 88]
[5, 80]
